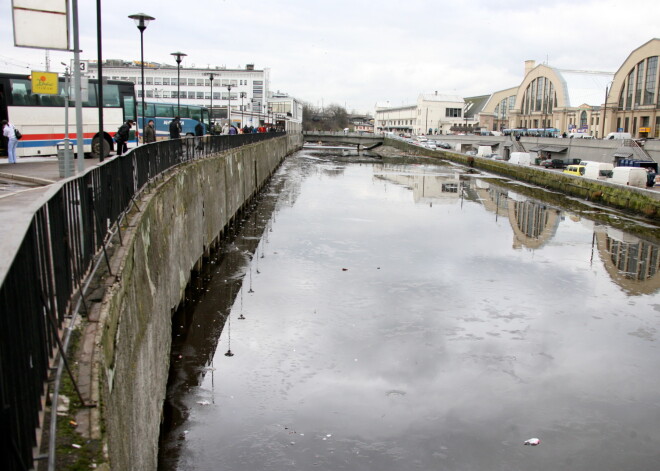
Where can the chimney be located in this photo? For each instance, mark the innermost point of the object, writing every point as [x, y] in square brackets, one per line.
[249, 67]
[529, 65]
[436, 93]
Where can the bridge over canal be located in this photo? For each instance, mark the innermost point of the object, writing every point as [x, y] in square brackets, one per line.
[361, 140]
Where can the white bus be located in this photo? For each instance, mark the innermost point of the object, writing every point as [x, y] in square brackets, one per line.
[40, 118]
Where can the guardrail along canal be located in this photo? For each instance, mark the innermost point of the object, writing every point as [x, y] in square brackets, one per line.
[397, 313]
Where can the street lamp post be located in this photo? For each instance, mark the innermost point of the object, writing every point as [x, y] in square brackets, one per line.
[243, 95]
[141, 21]
[228, 104]
[178, 56]
[211, 76]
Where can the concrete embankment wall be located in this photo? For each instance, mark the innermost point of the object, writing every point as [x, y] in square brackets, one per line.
[635, 200]
[179, 222]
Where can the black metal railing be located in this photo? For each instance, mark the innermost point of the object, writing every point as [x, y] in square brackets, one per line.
[45, 280]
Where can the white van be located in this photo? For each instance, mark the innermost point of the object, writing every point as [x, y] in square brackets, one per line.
[619, 135]
[597, 170]
[631, 176]
[484, 151]
[520, 158]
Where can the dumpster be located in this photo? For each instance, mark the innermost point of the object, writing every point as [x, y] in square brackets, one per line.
[66, 168]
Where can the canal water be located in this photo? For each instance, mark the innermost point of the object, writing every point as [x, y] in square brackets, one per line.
[398, 314]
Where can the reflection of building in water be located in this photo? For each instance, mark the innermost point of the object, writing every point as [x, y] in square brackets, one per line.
[533, 222]
[426, 187]
[632, 263]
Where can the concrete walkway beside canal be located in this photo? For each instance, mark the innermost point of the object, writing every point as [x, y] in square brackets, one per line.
[23, 189]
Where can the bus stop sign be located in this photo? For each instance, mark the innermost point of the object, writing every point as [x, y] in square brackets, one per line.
[44, 83]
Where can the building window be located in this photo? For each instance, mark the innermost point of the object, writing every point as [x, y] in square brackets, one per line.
[200, 95]
[453, 112]
[158, 80]
[640, 79]
[200, 82]
[166, 80]
[631, 84]
[539, 94]
[651, 74]
[149, 80]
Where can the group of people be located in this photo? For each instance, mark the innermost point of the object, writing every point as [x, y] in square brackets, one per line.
[231, 130]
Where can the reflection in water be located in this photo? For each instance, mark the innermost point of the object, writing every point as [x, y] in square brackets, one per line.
[373, 329]
[201, 320]
[632, 263]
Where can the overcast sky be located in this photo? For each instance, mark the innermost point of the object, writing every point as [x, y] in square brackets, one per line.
[356, 53]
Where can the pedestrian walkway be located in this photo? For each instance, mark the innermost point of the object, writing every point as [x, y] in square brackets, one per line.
[30, 173]
[23, 186]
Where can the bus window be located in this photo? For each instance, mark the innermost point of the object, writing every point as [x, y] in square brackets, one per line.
[164, 110]
[185, 112]
[21, 93]
[196, 113]
[111, 96]
[92, 98]
[149, 110]
[129, 108]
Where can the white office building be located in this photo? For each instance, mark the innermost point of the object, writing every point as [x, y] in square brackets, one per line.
[433, 113]
[246, 89]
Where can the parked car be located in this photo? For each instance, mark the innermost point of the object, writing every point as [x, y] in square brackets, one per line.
[554, 163]
[431, 145]
[444, 145]
[498, 157]
[577, 170]
[471, 152]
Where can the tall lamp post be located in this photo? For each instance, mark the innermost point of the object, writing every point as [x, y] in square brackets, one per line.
[228, 104]
[178, 56]
[211, 76]
[141, 21]
[243, 95]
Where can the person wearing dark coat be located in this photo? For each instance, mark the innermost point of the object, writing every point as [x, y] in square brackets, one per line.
[199, 132]
[175, 128]
[150, 132]
[122, 135]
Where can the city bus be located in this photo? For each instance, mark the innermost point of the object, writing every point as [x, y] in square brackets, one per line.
[163, 113]
[40, 118]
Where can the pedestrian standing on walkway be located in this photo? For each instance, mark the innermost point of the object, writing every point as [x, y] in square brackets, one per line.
[122, 135]
[150, 132]
[199, 133]
[9, 131]
[175, 128]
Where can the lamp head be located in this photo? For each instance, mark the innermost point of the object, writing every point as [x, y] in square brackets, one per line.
[141, 20]
[178, 56]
